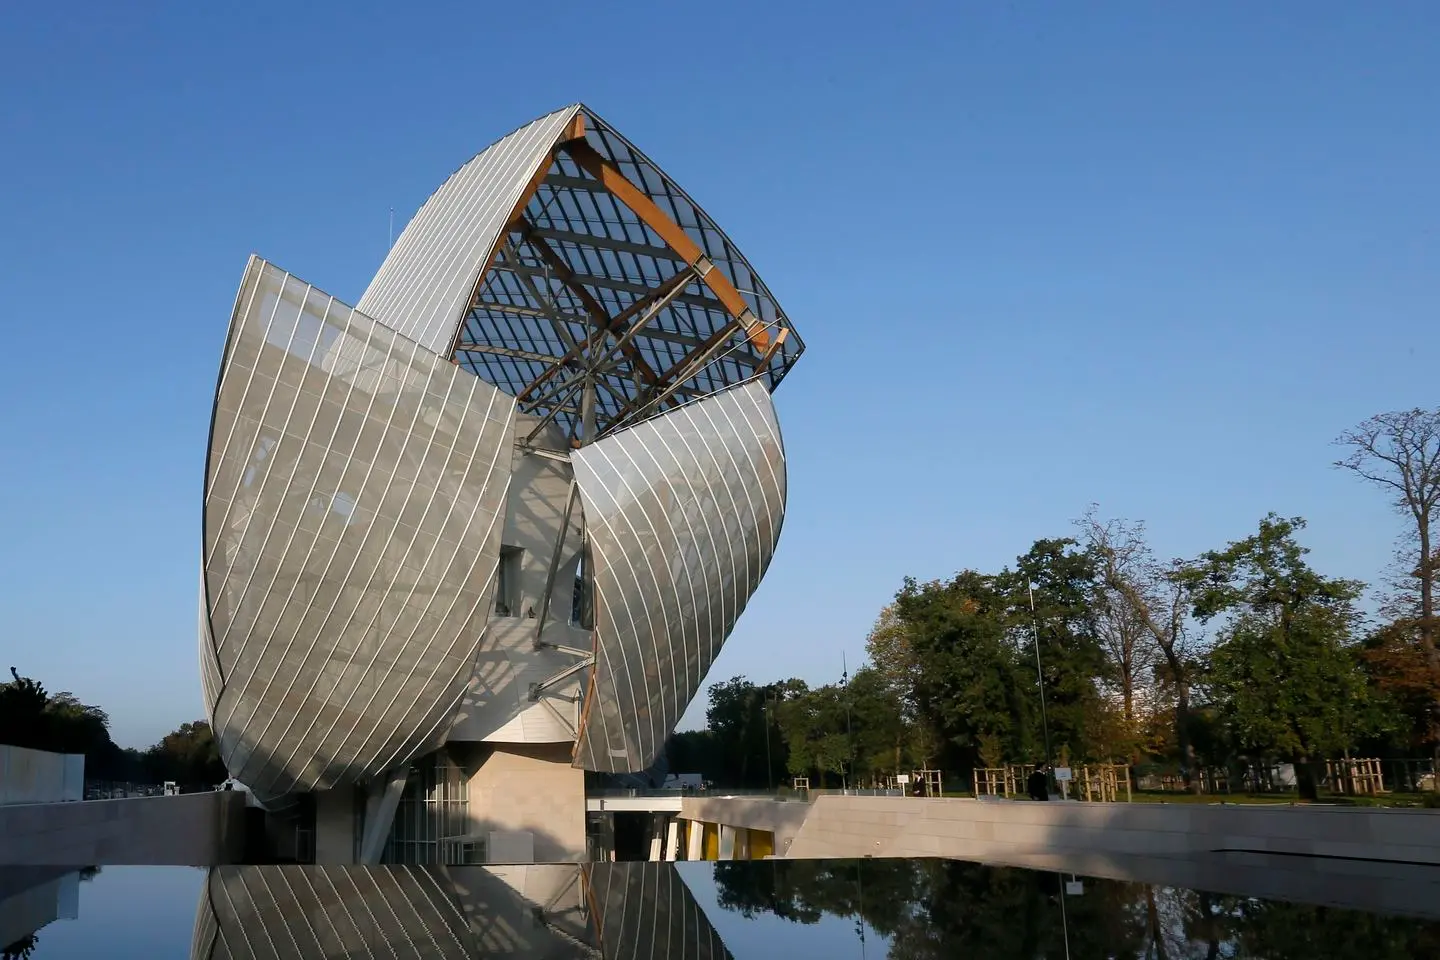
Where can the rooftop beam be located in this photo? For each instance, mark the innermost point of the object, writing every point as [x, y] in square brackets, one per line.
[660, 297]
[603, 322]
[626, 286]
[607, 243]
[673, 234]
[468, 347]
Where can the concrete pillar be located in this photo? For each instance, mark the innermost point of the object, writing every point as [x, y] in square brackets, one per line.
[380, 806]
[695, 840]
[657, 837]
[672, 839]
[335, 825]
[727, 842]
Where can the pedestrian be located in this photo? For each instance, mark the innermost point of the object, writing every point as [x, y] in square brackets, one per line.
[1037, 785]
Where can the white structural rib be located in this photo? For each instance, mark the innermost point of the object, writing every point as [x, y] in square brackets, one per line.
[683, 512]
[354, 492]
[425, 285]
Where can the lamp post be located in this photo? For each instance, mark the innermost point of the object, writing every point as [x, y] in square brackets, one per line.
[1039, 671]
[849, 731]
[769, 764]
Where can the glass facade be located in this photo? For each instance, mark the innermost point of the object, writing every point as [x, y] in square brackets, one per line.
[682, 513]
[432, 820]
[354, 494]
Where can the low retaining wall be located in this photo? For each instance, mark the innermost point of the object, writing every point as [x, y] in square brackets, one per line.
[193, 829]
[782, 818]
[38, 776]
[839, 826]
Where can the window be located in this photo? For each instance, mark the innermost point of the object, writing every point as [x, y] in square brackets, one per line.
[582, 606]
[507, 582]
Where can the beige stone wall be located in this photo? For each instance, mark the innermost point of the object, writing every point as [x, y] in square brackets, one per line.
[838, 826]
[195, 829]
[909, 827]
[531, 787]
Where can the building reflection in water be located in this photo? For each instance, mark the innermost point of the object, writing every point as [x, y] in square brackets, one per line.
[640, 910]
[30, 899]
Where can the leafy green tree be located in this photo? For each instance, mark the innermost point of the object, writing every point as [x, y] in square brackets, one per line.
[742, 718]
[1285, 676]
[32, 717]
[23, 722]
[188, 755]
[968, 677]
[1061, 580]
[880, 733]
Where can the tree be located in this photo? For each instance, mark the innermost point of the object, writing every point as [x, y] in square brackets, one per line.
[890, 650]
[187, 755]
[1400, 453]
[969, 678]
[1285, 676]
[31, 717]
[1060, 580]
[22, 713]
[741, 717]
[1138, 588]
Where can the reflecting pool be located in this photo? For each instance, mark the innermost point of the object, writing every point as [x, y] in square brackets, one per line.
[902, 909]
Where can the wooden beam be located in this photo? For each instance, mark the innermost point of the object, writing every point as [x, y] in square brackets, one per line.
[673, 234]
[775, 345]
[575, 129]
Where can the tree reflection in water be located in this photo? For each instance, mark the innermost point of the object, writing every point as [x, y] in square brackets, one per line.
[935, 909]
[19, 950]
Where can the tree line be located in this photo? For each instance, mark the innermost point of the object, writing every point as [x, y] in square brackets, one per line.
[1091, 648]
[32, 717]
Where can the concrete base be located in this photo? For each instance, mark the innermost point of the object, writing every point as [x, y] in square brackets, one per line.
[520, 788]
[193, 829]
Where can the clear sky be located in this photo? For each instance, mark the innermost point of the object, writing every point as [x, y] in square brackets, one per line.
[1146, 256]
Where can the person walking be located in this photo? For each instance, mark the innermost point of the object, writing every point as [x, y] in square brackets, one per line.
[1037, 785]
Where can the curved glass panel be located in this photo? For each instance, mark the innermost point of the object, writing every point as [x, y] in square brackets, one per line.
[352, 497]
[683, 512]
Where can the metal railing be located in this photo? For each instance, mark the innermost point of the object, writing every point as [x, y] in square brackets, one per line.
[748, 793]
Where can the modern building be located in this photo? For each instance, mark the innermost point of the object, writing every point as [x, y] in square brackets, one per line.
[488, 528]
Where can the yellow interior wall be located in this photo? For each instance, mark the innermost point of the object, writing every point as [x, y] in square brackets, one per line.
[762, 844]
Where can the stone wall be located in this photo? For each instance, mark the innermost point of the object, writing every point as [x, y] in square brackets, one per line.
[841, 826]
[530, 788]
[196, 829]
[37, 776]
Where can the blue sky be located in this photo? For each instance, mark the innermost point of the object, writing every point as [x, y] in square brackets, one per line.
[1041, 256]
